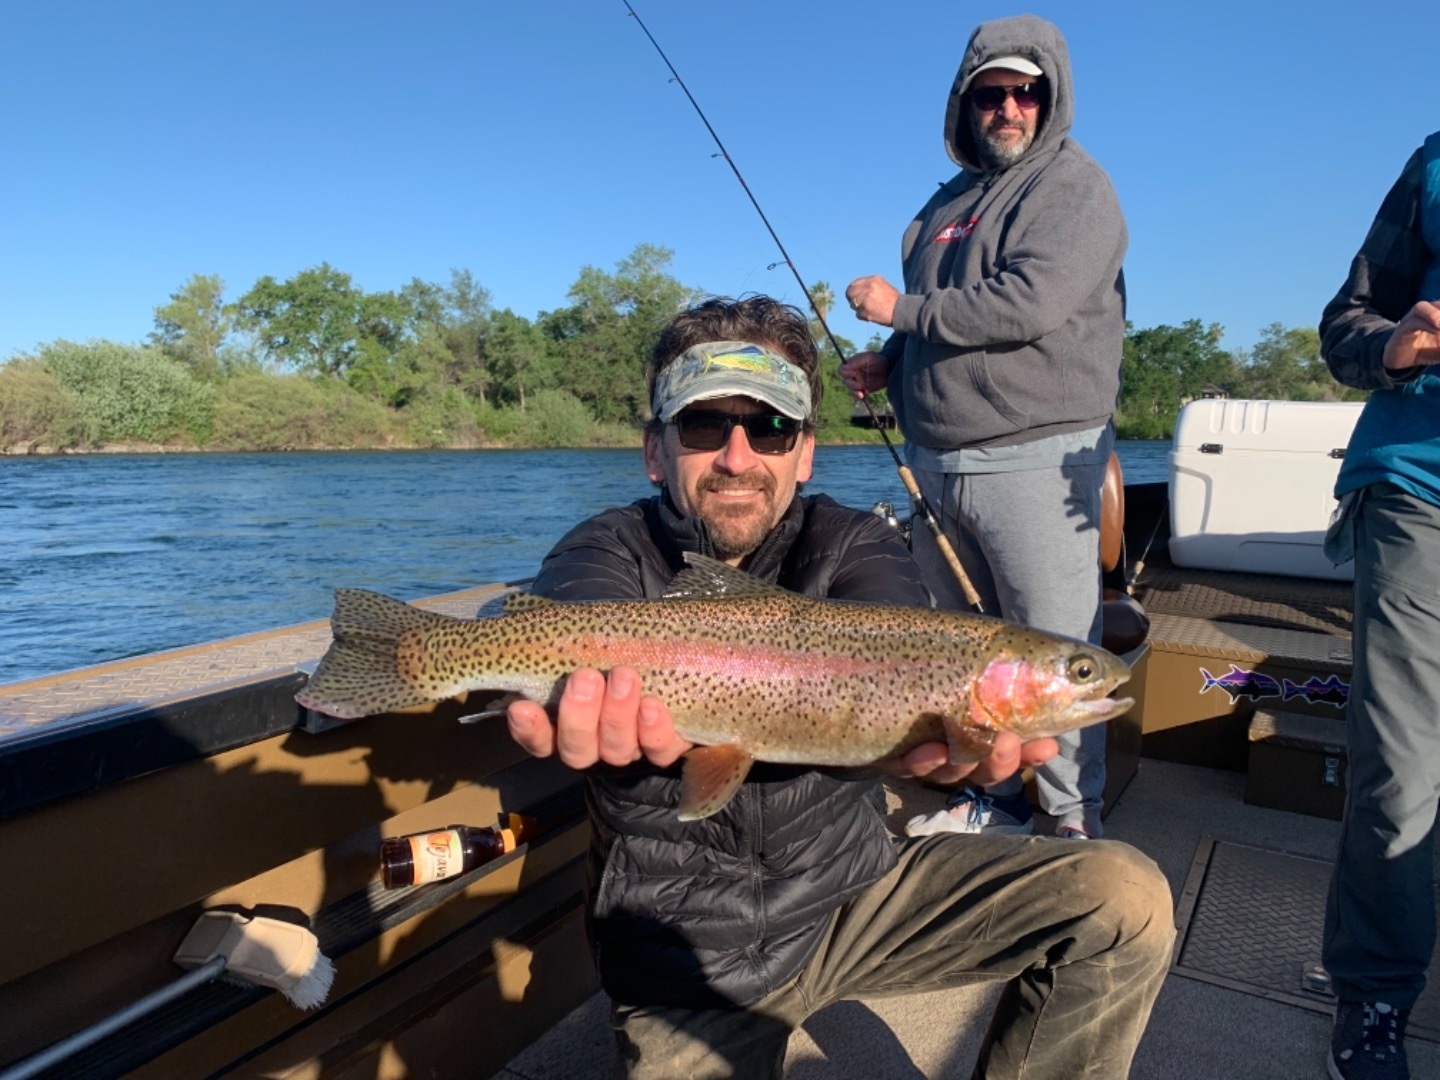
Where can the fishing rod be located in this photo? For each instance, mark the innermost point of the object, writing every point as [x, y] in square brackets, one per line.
[917, 498]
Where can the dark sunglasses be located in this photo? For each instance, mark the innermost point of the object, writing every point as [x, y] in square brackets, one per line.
[769, 433]
[990, 98]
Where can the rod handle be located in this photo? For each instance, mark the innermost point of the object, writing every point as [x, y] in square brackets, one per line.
[952, 560]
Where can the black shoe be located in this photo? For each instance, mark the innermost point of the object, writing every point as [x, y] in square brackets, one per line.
[1368, 1042]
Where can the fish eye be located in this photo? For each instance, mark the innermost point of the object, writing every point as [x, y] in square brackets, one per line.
[1083, 668]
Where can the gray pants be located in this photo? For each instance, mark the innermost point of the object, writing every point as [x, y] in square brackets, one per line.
[1030, 544]
[1380, 916]
[1082, 933]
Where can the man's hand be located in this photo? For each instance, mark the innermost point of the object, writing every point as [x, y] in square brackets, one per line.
[873, 299]
[1416, 338]
[864, 373]
[599, 721]
[931, 761]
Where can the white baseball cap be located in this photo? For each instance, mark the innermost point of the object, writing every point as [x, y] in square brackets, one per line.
[1008, 63]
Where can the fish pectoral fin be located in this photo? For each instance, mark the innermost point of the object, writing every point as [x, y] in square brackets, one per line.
[493, 710]
[711, 775]
[968, 742]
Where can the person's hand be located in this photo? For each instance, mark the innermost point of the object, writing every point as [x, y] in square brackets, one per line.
[931, 761]
[864, 373]
[873, 299]
[1416, 338]
[599, 720]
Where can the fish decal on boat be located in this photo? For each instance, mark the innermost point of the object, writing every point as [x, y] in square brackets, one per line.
[1331, 690]
[1240, 683]
[749, 671]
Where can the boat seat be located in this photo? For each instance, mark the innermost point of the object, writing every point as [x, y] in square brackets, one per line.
[1124, 623]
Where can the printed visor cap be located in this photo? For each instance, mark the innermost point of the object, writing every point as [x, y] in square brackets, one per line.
[717, 369]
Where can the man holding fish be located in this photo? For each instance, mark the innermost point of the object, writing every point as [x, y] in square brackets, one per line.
[776, 889]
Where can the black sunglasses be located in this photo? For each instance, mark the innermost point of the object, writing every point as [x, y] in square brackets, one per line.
[769, 433]
[990, 98]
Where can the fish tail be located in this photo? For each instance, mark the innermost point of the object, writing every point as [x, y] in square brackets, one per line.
[364, 672]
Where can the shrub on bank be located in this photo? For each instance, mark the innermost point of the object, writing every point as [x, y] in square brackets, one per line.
[36, 409]
[132, 392]
[440, 418]
[258, 411]
[554, 418]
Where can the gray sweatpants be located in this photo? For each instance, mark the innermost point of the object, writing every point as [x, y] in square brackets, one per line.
[1080, 933]
[1030, 543]
[1380, 916]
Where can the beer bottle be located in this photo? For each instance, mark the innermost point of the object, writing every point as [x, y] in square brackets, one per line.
[421, 858]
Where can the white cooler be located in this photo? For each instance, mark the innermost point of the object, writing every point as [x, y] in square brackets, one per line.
[1252, 485]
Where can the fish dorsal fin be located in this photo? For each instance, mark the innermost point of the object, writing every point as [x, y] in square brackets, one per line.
[525, 601]
[706, 578]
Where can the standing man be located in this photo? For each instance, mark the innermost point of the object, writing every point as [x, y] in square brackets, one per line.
[1382, 333]
[715, 938]
[1003, 369]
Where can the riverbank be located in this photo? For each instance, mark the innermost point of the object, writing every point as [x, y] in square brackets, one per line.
[610, 441]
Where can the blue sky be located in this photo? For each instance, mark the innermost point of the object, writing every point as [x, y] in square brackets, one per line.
[1250, 143]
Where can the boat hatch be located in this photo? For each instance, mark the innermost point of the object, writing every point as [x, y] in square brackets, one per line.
[1250, 919]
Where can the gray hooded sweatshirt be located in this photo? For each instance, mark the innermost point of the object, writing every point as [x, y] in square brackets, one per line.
[1011, 325]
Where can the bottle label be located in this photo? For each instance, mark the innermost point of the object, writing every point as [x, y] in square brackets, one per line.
[437, 855]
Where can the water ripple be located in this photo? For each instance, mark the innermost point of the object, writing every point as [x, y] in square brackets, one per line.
[112, 556]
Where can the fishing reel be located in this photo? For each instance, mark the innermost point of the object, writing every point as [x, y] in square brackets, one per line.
[885, 511]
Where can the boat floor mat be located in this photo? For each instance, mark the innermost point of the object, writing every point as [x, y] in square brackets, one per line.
[1252, 599]
[1250, 919]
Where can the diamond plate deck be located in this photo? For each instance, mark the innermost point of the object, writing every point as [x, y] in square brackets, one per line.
[94, 693]
[1252, 599]
[1250, 920]
[1252, 644]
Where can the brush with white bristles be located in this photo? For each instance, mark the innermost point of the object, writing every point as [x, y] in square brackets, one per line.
[222, 944]
[260, 952]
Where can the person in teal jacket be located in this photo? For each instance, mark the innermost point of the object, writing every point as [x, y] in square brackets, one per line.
[1382, 333]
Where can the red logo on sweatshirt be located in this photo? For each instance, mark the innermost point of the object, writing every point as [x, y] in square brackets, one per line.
[953, 234]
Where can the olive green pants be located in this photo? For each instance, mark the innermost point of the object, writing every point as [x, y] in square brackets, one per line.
[1080, 932]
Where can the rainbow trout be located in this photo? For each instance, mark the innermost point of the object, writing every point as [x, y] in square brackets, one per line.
[749, 671]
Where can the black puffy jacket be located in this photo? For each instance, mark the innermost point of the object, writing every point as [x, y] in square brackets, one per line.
[722, 911]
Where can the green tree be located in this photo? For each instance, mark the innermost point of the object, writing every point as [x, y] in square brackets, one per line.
[515, 354]
[1285, 365]
[320, 321]
[603, 338]
[1162, 368]
[453, 317]
[193, 326]
[823, 297]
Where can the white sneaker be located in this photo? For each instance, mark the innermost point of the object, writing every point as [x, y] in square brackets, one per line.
[972, 811]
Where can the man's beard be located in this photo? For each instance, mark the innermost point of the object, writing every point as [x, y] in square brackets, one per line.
[736, 531]
[993, 153]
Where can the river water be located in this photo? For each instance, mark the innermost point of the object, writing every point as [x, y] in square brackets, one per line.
[108, 556]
